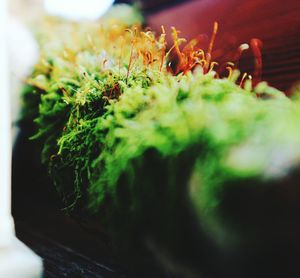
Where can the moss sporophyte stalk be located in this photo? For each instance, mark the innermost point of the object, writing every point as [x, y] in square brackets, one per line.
[132, 128]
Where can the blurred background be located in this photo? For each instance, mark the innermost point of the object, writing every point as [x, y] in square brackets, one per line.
[275, 23]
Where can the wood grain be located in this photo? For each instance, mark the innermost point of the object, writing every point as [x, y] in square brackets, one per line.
[61, 260]
[276, 23]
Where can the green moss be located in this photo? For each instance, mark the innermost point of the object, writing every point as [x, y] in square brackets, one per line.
[137, 145]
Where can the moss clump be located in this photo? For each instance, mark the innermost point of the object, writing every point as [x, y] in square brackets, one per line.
[125, 138]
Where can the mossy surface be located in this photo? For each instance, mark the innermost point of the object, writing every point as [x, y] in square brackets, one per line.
[125, 138]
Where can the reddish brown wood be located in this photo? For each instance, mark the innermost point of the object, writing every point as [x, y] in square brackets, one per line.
[276, 23]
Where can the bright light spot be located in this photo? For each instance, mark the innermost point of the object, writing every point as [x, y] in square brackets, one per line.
[77, 9]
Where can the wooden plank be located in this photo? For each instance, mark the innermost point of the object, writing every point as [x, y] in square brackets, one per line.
[275, 23]
[63, 261]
